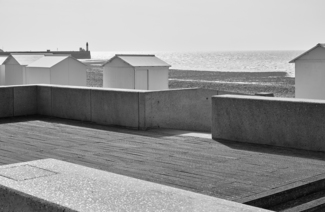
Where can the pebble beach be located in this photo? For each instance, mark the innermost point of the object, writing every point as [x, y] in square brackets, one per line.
[278, 83]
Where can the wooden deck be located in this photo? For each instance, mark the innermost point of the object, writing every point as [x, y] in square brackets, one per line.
[222, 169]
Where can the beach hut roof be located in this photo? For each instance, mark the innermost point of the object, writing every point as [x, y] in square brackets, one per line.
[318, 45]
[26, 59]
[140, 60]
[3, 59]
[50, 61]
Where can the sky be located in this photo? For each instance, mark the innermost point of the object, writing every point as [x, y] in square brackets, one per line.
[161, 25]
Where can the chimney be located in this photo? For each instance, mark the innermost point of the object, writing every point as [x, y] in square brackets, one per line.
[87, 47]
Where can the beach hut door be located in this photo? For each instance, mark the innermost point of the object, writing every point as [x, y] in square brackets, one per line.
[141, 79]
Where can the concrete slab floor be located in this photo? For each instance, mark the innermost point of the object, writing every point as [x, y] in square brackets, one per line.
[227, 170]
[81, 188]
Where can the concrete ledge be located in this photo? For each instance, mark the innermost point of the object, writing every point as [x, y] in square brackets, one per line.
[27, 203]
[294, 123]
[55, 185]
[284, 194]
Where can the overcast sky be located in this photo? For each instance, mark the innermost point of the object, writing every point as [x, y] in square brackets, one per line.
[161, 25]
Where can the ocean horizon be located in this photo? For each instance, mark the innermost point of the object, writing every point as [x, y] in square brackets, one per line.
[224, 61]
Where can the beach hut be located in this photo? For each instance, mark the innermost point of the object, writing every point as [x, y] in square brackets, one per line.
[15, 73]
[2, 70]
[144, 72]
[310, 73]
[61, 70]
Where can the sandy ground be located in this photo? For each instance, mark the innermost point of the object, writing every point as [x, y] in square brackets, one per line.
[242, 82]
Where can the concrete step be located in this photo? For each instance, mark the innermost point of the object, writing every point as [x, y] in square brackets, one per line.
[307, 195]
[317, 205]
[310, 202]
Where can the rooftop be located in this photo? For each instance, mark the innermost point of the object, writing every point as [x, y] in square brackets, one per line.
[2, 59]
[227, 170]
[318, 45]
[26, 59]
[140, 60]
[48, 61]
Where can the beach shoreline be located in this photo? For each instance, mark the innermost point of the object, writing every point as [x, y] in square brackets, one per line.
[278, 83]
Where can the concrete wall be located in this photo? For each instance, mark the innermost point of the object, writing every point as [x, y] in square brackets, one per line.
[186, 109]
[71, 103]
[18, 101]
[102, 106]
[286, 122]
[309, 80]
[115, 107]
[6, 102]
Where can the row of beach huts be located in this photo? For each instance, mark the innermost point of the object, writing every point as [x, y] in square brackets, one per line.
[145, 72]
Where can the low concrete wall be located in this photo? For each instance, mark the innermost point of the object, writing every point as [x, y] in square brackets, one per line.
[71, 103]
[18, 101]
[102, 106]
[115, 107]
[25, 100]
[286, 122]
[185, 109]
[44, 100]
[6, 102]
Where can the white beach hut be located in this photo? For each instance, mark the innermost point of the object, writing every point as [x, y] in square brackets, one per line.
[15, 73]
[310, 73]
[2, 70]
[61, 70]
[144, 72]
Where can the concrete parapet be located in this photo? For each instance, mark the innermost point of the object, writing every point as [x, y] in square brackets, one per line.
[25, 100]
[185, 109]
[115, 107]
[6, 102]
[44, 100]
[295, 123]
[71, 102]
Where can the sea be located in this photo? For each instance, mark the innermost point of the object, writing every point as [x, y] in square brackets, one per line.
[225, 61]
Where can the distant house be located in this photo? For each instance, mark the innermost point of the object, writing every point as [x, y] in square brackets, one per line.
[15, 71]
[144, 72]
[61, 70]
[2, 70]
[310, 73]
